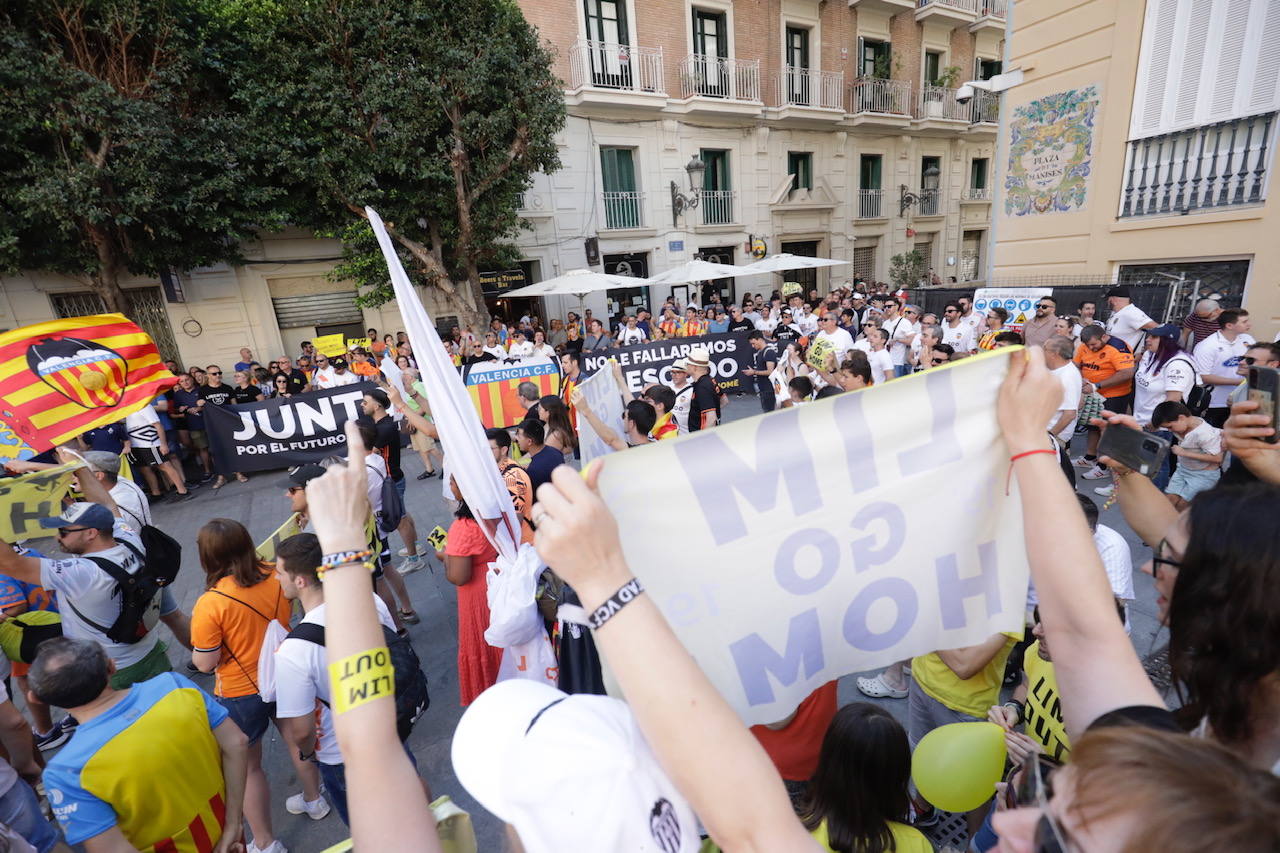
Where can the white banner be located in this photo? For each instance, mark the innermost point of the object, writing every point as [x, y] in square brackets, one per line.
[792, 548]
[1020, 302]
[601, 393]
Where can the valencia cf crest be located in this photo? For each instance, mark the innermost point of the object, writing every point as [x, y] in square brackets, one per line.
[86, 373]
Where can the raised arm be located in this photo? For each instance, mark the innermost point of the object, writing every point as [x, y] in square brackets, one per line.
[389, 809]
[1092, 657]
[1244, 436]
[709, 754]
[606, 433]
[1144, 507]
[419, 422]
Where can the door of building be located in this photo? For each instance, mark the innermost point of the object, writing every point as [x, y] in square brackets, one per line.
[971, 256]
[725, 287]
[608, 43]
[807, 279]
[711, 47]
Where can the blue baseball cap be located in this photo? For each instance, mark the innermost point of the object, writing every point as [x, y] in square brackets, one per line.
[82, 514]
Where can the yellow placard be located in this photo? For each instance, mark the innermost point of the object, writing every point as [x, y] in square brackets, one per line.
[31, 497]
[329, 345]
[267, 550]
[357, 343]
[438, 537]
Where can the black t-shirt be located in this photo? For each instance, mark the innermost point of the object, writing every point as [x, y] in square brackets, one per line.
[743, 325]
[297, 381]
[705, 398]
[240, 396]
[186, 400]
[760, 361]
[1143, 716]
[215, 395]
[542, 463]
[387, 442]
[785, 335]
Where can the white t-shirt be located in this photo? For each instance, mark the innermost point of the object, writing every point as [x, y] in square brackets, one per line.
[132, 502]
[881, 366]
[680, 411]
[961, 338]
[806, 323]
[1126, 324]
[1116, 560]
[84, 588]
[520, 350]
[1205, 438]
[1217, 356]
[496, 351]
[1069, 376]
[1150, 386]
[1078, 328]
[329, 377]
[302, 677]
[143, 427]
[840, 339]
[902, 334]
[975, 319]
[630, 337]
[545, 350]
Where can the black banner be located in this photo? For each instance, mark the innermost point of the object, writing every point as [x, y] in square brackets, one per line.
[283, 432]
[647, 363]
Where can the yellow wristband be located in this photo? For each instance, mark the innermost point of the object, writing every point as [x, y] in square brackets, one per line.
[361, 678]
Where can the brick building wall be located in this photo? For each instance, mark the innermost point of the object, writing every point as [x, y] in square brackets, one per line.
[905, 35]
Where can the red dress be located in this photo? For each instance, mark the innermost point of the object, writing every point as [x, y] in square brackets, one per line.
[477, 660]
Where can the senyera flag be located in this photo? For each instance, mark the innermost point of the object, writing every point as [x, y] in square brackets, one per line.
[493, 387]
[61, 378]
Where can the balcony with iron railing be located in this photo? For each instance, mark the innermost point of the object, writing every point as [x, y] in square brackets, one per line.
[929, 202]
[870, 204]
[992, 14]
[1200, 169]
[976, 194]
[887, 101]
[703, 76]
[938, 103]
[623, 210]
[949, 11]
[717, 206]
[807, 87]
[618, 69]
[984, 108]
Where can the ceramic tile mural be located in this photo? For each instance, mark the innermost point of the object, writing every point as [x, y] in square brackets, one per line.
[1050, 153]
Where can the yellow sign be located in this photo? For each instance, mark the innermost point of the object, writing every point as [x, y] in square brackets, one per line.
[790, 287]
[816, 355]
[267, 550]
[31, 497]
[329, 345]
[437, 538]
[357, 343]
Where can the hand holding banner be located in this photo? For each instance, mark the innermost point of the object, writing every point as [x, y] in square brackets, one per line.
[602, 395]
[805, 551]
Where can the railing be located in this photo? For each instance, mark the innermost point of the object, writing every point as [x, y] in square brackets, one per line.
[870, 204]
[717, 77]
[870, 95]
[974, 6]
[995, 9]
[808, 87]
[977, 194]
[984, 108]
[939, 102]
[604, 65]
[717, 207]
[623, 210]
[1212, 166]
[930, 203]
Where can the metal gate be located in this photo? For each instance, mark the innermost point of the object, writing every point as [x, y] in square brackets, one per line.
[143, 305]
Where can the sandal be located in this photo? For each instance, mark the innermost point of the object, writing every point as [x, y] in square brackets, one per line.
[242, 478]
[877, 689]
[410, 616]
[219, 483]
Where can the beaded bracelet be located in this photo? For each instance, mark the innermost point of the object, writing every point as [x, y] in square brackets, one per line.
[343, 558]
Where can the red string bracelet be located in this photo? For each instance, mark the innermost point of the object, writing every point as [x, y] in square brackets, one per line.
[1015, 457]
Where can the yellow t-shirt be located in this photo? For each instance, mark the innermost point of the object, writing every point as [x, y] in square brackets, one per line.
[972, 696]
[1044, 706]
[906, 839]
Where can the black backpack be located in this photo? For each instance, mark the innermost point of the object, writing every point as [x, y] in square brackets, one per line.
[412, 699]
[393, 511]
[161, 558]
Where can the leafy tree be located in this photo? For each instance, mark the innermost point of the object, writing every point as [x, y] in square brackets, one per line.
[907, 269]
[117, 149]
[434, 112]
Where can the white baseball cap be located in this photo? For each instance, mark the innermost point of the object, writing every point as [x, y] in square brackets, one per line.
[569, 772]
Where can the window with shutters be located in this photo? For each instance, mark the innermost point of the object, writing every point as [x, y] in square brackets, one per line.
[622, 202]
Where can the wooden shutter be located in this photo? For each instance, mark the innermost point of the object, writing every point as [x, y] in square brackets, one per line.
[1153, 67]
[1192, 64]
[1230, 45]
[1264, 88]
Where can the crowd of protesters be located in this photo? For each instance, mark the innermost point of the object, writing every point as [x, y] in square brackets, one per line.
[1098, 761]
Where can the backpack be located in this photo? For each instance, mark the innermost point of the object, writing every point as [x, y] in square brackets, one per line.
[393, 510]
[412, 698]
[161, 558]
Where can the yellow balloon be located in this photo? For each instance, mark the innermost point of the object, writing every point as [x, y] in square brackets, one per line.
[956, 767]
[93, 381]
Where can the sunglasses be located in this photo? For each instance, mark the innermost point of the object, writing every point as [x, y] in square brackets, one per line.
[1248, 359]
[868, 325]
[293, 489]
[940, 359]
[1044, 306]
[911, 313]
[63, 531]
[215, 372]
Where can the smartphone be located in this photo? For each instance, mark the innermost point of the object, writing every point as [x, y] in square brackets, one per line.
[1263, 382]
[1136, 450]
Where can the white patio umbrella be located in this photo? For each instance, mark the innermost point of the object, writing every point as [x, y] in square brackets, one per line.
[578, 283]
[784, 262]
[691, 271]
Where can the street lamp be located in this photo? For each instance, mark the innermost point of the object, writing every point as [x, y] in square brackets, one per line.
[679, 202]
[906, 198]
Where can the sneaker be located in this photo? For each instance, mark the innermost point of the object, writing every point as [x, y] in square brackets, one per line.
[176, 498]
[1083, 462]
[273, 847]
[316, 810]
[404, 552]
[411, 565]
[52, 739]
[1097, 472]
[1106, 491]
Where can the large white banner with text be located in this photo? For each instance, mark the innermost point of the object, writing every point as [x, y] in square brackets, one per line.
[792, 548]
[601, 393]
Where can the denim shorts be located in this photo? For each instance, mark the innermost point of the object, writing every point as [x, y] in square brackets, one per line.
[1186, 483]
[400, 486]
[20, 811]
[250, 713]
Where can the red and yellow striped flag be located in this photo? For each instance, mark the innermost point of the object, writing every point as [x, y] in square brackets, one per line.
[64, 377]
[492, 386]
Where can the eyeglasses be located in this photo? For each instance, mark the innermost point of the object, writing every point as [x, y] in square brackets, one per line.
[1158, 559]
[63, 531]
[1248, 359]
[293, 489]
[911, 313]
[1035, 787]
[940, 359]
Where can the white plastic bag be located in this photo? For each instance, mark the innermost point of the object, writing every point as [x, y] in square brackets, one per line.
[513, 613]
[534, 660]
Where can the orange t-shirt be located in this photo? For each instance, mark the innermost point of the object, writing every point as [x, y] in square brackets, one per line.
[235, 627]
[364, 368]
[796, 747]
[1103, 364]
